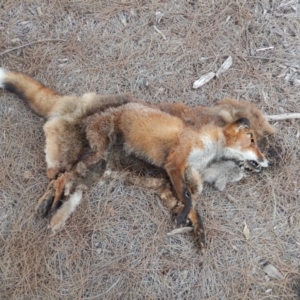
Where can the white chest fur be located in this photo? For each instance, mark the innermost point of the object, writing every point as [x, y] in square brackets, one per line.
[199, 158]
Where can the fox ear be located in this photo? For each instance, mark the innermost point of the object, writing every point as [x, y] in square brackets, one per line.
[242, 123]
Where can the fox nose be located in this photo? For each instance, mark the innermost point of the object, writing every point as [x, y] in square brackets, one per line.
[264, 162]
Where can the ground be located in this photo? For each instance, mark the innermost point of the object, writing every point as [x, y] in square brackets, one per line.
[115, 246]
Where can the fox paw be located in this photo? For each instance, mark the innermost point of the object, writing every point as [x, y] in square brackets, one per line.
[81, 169]
[52, 172]
[60, 217]
[200, 237]
[180, 220]
[44, 207]
[57, 223]
[184, 222]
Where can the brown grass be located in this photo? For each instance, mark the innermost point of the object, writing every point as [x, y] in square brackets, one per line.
[115, 246]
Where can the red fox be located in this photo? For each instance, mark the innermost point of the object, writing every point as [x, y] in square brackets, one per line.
[165, 141]
[66, 139]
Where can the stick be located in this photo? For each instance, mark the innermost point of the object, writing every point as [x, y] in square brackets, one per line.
[25, 45]
[264, 49]
[163, 36]
[284, 116]
[273, 58]
[180, 230]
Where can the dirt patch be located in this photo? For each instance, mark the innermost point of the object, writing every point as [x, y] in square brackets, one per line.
[115, 246]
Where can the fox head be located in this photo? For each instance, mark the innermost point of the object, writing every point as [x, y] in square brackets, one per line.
[241, 144]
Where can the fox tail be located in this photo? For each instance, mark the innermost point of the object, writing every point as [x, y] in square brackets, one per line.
[40, 98]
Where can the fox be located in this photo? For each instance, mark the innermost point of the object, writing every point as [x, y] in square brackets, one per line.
[66, 141]
[166, 141]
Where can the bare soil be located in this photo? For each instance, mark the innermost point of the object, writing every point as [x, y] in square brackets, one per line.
[115, 246]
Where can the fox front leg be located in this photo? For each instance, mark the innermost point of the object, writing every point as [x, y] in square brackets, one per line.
[193, 216]
[181, 218]
[183, 193]
[198, 228]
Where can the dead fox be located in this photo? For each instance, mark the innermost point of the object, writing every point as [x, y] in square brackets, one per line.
[66, 138]
[166, 141]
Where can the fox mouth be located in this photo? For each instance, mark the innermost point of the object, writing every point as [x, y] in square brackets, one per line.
[252, 165]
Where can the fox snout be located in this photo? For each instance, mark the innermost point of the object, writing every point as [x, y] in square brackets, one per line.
[264, 162]
[256, 165]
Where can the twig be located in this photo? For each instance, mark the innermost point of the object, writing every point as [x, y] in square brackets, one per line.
[180, 230]
[163, 36]
[97, 296]
[264, 49]
[273, 58]
[25, 45]
[283, 116]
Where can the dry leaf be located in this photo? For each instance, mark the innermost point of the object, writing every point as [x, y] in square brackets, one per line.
[232, 199]
[246, 232]
[110, 211]
[272, 271]
[39, 11]
[16, 40]
[203, 79]
[296, 82]
[225, 66]
[123, 19]
[27, 175]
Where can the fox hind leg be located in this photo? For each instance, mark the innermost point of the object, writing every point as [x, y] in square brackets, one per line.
[64, 144]
[60, 217]
[52, 148]
[45, 202]
[99, 127]
[176, 174]
[50, 201]
[59, 186]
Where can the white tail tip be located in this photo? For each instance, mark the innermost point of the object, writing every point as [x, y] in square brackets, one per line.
[2, 77]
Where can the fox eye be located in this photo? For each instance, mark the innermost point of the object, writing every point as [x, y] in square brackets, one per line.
[251, 137]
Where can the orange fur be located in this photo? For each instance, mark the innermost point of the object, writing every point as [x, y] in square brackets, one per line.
[66, 139]
[39, 98]
[226, 111]
[165, 141]
[64, 114]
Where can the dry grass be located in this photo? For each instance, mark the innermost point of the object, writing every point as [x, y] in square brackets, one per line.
[115, 245]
